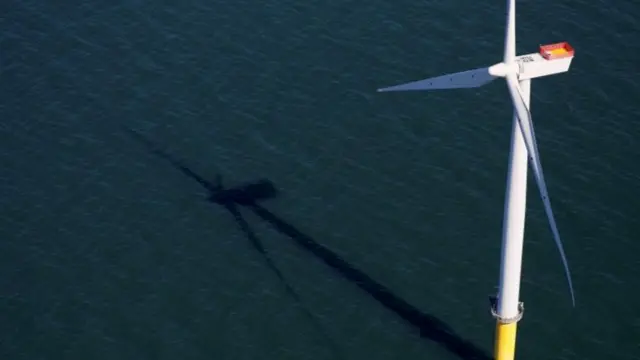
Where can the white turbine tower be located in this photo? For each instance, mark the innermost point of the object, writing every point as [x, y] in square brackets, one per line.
[518, 72]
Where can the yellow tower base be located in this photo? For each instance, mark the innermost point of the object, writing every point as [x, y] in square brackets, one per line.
[505, 346]
[506, 331]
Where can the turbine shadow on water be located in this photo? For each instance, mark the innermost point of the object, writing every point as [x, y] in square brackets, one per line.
[230, 199]
[249, 196]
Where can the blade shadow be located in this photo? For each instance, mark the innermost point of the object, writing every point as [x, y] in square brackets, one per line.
[257, 244]
[429, 326]
[229, 199]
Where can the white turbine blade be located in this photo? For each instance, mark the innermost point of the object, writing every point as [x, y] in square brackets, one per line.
[465, 79]
[510, 33]
[526, 126]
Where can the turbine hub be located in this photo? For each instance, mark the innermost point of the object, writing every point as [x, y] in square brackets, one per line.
[502, 69]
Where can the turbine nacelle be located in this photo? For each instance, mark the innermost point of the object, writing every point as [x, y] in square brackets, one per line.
[531, 66]
[535, 65]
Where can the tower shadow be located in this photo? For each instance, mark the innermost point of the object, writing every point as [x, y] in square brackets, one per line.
[250, 195]
[429, 326]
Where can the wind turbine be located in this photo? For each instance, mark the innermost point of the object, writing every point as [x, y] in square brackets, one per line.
[518, 72]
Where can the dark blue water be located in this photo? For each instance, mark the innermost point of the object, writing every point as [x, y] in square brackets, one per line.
[379, 233]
